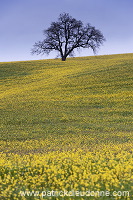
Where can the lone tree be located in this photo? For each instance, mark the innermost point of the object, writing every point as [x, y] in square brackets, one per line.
[66, 35]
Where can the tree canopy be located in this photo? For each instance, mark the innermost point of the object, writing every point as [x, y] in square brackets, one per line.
[66, 35]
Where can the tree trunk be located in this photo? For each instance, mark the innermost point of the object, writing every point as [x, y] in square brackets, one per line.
[63, 58]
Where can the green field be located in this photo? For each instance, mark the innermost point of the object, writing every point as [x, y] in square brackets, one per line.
[81, 107]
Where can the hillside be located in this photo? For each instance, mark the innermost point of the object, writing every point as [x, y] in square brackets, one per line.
[89, 96]
[67, 126]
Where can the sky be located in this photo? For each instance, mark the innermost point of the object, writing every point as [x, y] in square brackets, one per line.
[22, 23]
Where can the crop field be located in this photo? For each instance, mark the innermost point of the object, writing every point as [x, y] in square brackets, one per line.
[66, 129]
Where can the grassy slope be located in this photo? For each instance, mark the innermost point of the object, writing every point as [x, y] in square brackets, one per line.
[87, 99]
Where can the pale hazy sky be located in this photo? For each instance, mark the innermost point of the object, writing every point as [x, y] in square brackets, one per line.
[22, 23]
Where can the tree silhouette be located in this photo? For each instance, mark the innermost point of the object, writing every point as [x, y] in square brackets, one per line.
[66, 35]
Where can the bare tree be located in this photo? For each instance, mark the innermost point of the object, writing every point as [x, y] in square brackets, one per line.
[66, 35]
